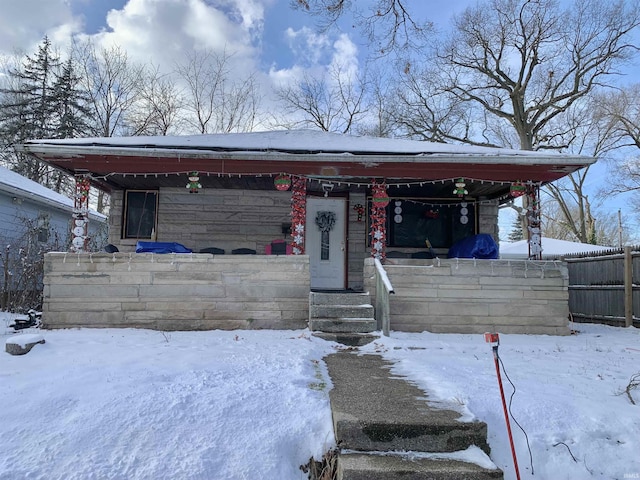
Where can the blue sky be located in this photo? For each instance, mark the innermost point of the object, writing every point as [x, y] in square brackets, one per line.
[266, 36]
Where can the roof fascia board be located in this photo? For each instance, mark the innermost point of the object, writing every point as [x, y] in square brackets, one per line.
[527, 158]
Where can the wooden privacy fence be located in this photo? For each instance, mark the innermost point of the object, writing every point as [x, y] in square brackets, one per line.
[603, 287]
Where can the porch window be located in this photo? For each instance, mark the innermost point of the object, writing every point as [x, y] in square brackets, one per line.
[140, 213]
[412, 221]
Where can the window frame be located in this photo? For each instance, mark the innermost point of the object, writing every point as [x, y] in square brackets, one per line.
[126, 214]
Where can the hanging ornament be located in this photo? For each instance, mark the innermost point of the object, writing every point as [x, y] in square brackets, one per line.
[282, 182]
[378, 233]
[298, 214]
[380, 198]
[460, 189]
[80, 228]
[359, 209]
[82, 188]
[432, 214]
[517, 189]
[194, 182]
[464, 219]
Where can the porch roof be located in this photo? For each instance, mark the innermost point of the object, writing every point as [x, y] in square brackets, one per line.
[142, 162]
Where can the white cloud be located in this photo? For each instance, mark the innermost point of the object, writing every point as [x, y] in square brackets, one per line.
[165, 31]
[345, 57]
[23, 24]
[307, 46]
[316, 56]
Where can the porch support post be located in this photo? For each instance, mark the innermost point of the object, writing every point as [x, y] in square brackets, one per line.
[298, 214]
[80, 226]
[533, 221]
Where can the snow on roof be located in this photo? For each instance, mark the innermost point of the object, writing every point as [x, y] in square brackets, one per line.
[297, 141]
[550, 247]
[15, 184]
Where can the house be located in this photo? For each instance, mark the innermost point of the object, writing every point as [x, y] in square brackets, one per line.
[33, 220]
[338, 201]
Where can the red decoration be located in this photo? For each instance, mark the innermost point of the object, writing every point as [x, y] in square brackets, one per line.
[380, 197]
[431, 213]
[359, 209]
[298, 214]
[380, 200]
[282, 182]
[518, 189]
[82, 187]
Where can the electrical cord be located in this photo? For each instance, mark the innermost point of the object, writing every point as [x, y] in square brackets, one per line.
[511, 414]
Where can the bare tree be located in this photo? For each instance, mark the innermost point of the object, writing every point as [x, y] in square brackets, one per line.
[525, 62]
[388, 25]
[619, 111]
[520, 73]
[159, 107]
[333, 103]
[113, 83]
[213, 103]
[608, 229]
[380, 117]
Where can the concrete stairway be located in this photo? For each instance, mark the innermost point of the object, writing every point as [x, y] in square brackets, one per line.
[344, 317]
[385, 428]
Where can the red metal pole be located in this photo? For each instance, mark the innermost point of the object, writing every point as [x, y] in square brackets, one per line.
[506, 413]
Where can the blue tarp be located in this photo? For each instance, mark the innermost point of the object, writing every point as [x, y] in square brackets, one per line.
[161, 247]
[476, 246]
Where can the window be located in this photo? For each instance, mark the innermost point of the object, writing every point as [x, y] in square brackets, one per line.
[140, 213]
[43, 227]
[412, 221]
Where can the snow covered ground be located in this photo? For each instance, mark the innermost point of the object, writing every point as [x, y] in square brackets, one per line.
[140, 404]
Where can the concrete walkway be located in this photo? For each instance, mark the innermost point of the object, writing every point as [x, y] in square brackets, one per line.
[374, 411]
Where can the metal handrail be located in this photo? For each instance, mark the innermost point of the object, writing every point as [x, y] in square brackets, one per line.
[383, 290]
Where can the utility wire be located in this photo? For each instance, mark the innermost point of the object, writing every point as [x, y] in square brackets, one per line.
[511, 414]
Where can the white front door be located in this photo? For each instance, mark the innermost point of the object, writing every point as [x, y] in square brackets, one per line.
[325, 242]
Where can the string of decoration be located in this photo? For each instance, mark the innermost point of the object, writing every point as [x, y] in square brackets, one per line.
[298, 214]
[349, 183]
[533, 222]
[80, 229]
[380, 200]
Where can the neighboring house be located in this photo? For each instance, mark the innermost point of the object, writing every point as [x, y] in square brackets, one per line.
[336, 200]
[33, 220]
[551, 248]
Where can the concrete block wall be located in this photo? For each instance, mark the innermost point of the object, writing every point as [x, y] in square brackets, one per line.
[476, 296]
[488, 218]
[176, 291]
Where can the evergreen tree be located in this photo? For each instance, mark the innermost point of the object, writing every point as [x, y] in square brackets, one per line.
[70, 103]
[41, 98]
[27, 107]
[516, 234]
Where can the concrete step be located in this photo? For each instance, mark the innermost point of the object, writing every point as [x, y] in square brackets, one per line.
[350, 298]
[343, 325]
[355, 466]
[341, 311]
[380, 412]
[348, 339]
